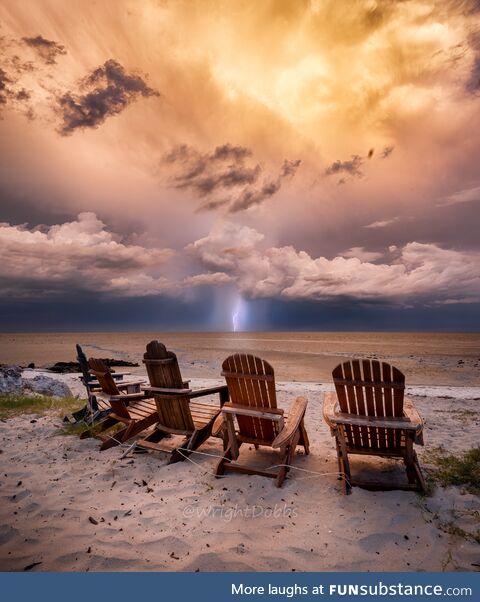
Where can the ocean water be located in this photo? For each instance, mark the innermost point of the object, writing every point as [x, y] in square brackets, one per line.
[425, 358]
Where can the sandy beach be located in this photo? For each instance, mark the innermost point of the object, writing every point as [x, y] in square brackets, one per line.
[68, 507]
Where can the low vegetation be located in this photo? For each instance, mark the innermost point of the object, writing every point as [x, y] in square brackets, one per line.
[462, 470]
[14, 405]
[452, 529]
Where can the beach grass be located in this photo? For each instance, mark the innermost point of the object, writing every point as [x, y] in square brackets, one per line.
[15, 405]
[461, 470]
[452, 529]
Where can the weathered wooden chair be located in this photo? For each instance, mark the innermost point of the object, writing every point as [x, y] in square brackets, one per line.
[251, 384]
[369, 414]
[129, 406]
[177, 414]
[91, 383]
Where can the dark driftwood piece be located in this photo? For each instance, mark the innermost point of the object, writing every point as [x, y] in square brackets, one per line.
[369, 414]
[129, 406]
[251, 384]
[177, 414]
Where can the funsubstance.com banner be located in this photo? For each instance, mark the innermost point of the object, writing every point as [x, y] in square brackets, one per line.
[223, 587]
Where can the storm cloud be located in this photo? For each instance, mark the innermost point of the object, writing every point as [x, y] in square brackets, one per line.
[206, 173]
[354, 166]
[255, 196]
[5, 91]
[82, 256]
[10, 94]
[105, 92]
[350, 166]
[418, 272]
[47, 50]
[228, 176]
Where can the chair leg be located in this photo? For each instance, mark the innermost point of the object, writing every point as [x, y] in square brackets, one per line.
[133, 428]
[191, 444]
[414, 472]
[180, 453]
[120, 437]
[339, 459]
[409, 460]
[227, 457]
[282, 473]
[304, 438]
[346, 474]
[286, 460]
[418, 471]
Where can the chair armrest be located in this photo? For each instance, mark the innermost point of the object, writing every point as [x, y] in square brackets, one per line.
[415, 419]
[389, 422]
[411, 413]
[127, 396]
[293, 420]
[165, 391]
[411, 421]
[329, 405]
[218, 425]
[254, 412]
[130, 383]
[208, 391]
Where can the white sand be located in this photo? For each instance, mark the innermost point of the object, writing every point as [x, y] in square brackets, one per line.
[185, 519]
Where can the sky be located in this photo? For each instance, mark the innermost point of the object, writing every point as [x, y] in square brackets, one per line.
[205, 165]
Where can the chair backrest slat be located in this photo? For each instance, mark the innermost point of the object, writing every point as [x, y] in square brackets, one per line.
[105, 379]
[84, 367]
[370, 388]
[398, 393]
[164, 372]
[251, 382]
[104, 376]
[162, 366]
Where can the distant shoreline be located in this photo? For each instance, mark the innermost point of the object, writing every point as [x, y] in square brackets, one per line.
[451, 359]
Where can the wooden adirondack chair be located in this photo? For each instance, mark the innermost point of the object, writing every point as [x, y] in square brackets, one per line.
[251, 384]
[370, 415]
[177, 414]
[129, 407]
[91, 383]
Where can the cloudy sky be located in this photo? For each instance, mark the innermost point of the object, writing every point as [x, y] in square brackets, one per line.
[301, 164]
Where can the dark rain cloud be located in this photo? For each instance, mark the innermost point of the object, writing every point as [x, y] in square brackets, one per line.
[255, 196]
[5, 82]
[9, 93]
[107, 91]
[206, 173]
[48, 50]
[387, 151]
[350, 166]
[227, 176]
[353, 167]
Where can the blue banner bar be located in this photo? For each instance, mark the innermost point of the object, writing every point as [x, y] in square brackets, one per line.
[226, 587]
